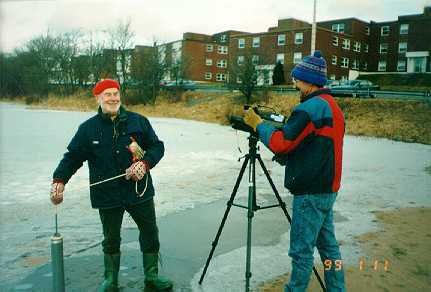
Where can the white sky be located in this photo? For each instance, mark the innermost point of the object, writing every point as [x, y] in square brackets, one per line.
[167, 20]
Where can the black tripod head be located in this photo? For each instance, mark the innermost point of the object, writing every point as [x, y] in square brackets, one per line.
[253, 138]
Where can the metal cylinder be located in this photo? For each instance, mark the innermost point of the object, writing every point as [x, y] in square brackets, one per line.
[57, 263]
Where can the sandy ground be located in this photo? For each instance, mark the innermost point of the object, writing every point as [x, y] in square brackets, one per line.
[403, 242]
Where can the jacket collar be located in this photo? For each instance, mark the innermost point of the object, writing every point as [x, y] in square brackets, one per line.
[121, 117]
[320, 91]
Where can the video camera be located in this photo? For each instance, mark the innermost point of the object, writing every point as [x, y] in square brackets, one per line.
[276, 119]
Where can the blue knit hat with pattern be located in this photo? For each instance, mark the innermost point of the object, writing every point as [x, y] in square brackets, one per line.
[312, 69]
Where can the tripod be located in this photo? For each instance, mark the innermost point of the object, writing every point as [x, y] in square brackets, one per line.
[252, 206]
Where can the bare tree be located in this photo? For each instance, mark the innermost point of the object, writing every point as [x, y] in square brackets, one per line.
[179, 70]
[243, 74]
[100, 58]
[121, 39]
[148, 68]
[41, 58]
[67, 53]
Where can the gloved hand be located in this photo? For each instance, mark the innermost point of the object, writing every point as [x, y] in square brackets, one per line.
[136, 171]
[252, 119]
[57, 190]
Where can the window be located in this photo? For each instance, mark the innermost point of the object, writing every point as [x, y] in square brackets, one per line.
[281, 39]
[357, 47]
[355, 65]
[384, 30]
[365, 66]
[208, 75]
[223, 38]
[366, 48]
[209, 62]
[419, 64]
[404, 28]
[255, 59]
[335, 41]
[401, 65]
[334, 60]
[402, 47]
[222, 50]
[222, 63]
[344, 77]
[332, 77]
[209, 48]
[338, 27]
[279, 58]
[297, 57]
[299, 38]
[344, 62]
[383, 48]
[240, 60]
[256, 42]
[346, 44]
[367, 30]
[241, 43]
[220, 77]
[382, 66]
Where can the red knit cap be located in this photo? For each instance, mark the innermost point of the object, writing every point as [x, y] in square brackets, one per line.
[105, 84]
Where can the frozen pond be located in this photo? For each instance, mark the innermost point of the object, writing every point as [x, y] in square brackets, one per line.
[200, 167]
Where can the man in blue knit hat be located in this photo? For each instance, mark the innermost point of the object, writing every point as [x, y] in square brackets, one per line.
[311, 144]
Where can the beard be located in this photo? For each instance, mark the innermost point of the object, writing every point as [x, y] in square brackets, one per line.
[110, 109]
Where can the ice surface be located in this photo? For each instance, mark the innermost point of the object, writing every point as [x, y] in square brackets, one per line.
[200, 166]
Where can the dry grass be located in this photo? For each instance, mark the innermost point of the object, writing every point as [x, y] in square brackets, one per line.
[77, 102]
[393, 119]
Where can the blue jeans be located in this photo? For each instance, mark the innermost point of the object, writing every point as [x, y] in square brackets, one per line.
[313, 226]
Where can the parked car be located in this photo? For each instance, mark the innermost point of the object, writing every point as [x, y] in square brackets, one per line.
[331, 82]
[163, 82]
[355, 88]
[181, 83]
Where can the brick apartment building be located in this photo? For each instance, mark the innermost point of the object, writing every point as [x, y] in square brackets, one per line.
[403, 45]
[290, 41]
[198, 56]
[349, 44]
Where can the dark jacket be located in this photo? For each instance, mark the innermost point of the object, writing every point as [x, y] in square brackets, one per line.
[103, 144]
[311, 142]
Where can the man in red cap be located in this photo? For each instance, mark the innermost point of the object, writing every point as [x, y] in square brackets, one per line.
[114, 142]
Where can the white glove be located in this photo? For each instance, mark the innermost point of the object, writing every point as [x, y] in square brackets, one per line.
[136, 171]
[57, 190]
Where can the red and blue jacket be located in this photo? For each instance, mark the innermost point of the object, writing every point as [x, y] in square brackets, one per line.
[311, 143]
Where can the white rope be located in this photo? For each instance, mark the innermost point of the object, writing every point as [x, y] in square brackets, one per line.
[112, 178]
[96, 183]
[106, 180]
[145, 189]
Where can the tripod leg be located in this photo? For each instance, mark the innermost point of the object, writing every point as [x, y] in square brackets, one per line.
[286, 213]
[223, 221]
[274, 189]
[250, 214]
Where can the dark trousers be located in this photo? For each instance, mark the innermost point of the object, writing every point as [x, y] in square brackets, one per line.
[144, 216]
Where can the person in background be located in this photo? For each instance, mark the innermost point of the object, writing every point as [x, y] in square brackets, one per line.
[311, 143]
[114, 142]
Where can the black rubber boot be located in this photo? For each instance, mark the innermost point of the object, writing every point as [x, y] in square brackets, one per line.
[151, 271]
[112, 266]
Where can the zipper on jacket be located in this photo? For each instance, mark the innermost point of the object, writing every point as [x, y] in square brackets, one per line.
[114, 136]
